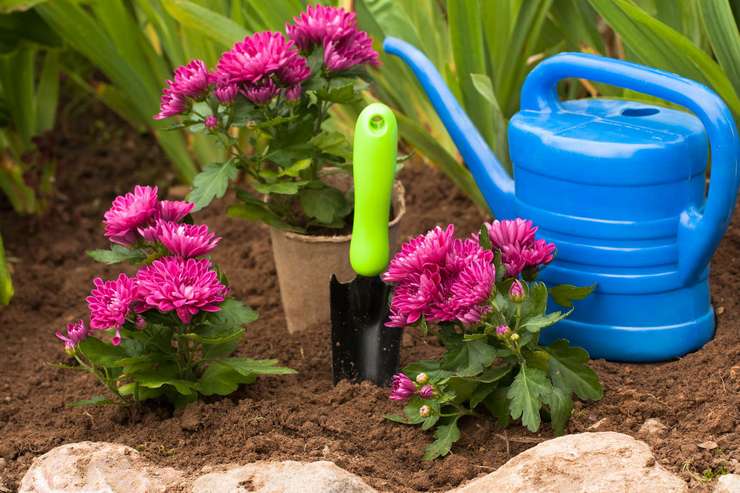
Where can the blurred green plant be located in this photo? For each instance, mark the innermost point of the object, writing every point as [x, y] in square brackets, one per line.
[29, 89]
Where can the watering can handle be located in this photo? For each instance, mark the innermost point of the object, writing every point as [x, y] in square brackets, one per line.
[699, 231]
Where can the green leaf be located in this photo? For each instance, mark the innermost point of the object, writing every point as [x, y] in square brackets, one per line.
[536, 301]
[154, 379]
[484, 238]
[211, 335]
[568, 368]
[565, 294]
[295, 169]
[326, 204]
[721, 29]
[101, 353]
[117, 254]
[281, 187]
[213, 25]
[340, 91]
[98, 400]
[444, 437]
[498, 404]
[233, 313]
[470, 359]
[527, 390]
[539, 322]
[560, 405]
[222, 380]
[248, 366]
[212, 183]
[333, 143]
[480, 393]
[256, 210]
[6, 283]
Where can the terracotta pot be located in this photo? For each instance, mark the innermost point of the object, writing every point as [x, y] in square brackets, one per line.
[306, 263]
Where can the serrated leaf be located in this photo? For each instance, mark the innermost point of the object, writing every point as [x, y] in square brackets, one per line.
[222, 380]
[526, 393]
[295, 169]
[568, 368]
[484, 238]
[560, 405]
[254, 210]
[101, 353]
[248, 366]
[233, 313]
[326, 204]
[539, 322]
[470, 359]
[565, 294]
[481, 393]
[497, 404]
[333, 143]
[117, 254]
[281, 187]
[212, 183]
[444, 437]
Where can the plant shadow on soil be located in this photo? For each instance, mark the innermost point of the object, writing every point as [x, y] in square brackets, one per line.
[303, 417]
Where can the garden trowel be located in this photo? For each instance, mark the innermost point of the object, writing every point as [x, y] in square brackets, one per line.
[363, 348]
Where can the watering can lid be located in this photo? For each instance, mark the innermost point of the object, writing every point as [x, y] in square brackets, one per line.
[609, 141]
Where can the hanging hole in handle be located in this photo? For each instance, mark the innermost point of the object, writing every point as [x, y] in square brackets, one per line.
[377, 123]
[639, 111]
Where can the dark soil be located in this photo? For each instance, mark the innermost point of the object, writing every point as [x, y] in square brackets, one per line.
[303, 417]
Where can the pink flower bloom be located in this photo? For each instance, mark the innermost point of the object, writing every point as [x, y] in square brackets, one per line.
[226, 94]
[128, 213]
[210, 122]
[519, 248]
[186, 240]
[76, 332]
[191, 80]
[185, 286]
[516, 291]
[261, 92]
[174, 210]
[293, 93]
[336, 31]
[402, 388]
[356, 49]
[320, 24]
[427, 249]
[260, 56]
[440, 278]
[171, 103]
[111, 301]
[426, 392]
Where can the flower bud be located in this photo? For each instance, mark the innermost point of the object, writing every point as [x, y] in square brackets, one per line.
[402, 388]
[422, 378]
[516, 291]
[426, 392]
[425, 411]
[502, 330]
[211, 122]
[514, 337]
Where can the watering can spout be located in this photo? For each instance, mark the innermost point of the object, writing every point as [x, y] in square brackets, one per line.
[494, 182]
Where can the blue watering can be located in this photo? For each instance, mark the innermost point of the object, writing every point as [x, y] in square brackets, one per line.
[619, 187]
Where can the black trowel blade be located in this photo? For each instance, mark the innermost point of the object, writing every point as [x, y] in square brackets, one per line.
[363, 348]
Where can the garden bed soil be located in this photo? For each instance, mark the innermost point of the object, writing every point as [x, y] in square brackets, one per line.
[304, 417]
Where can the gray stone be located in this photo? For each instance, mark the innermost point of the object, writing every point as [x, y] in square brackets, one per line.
[652, 426]
[604, 462]
[98, 467]
[281, 477]
[728, 483]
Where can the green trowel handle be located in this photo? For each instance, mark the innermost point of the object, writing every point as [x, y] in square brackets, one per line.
[374, 167]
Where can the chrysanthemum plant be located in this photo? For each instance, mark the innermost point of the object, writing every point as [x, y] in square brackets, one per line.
[173, 326]
[479, 296]
[278, 91]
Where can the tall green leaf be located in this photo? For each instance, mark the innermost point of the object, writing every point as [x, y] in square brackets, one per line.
[212, 24]
[721, 28]
[6, 283]
[653, 43]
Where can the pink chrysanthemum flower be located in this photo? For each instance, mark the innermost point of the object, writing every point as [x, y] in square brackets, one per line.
[171, 103]
[185, 286]
[110, 302]
[426, 392]
[427, 249]
[519, 248]
[174, 210]
[402, 388]
[128, 213]
[226, 93]
[76, 332]
[356, 49]
[259, 56]
[262, 92]
[440, 278]
[186, 240]
[293, 93]
[191, 80]
[319, 24]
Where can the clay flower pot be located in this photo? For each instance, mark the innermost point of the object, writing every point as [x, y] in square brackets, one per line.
[306, 263]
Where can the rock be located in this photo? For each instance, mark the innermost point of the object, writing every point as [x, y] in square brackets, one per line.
[708, 445]
[603, 462]
[96, 466]
[652, 426]
[728, 483]
[282, 477]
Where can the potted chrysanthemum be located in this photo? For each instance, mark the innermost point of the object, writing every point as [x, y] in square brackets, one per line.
[269, 101]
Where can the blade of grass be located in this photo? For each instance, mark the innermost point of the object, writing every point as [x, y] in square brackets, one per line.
[720, 26]
[6, 283]
[47, 93]
[216, 26]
